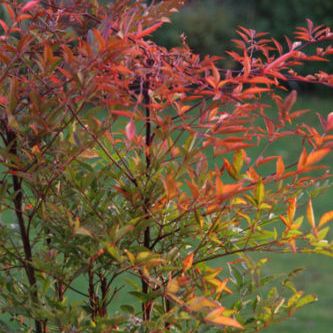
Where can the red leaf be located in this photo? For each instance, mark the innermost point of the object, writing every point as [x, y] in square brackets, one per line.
[280, 60]
[3, 100]
[216, 74]
[4, 26]
[262, 160]
[149, 30]
[246, 64]
[255, 90]
[329, 123]
[10, 11]
[29, 5]
[290, 101]
[124, 113]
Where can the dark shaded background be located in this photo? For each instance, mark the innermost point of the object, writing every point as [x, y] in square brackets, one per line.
[210, 24]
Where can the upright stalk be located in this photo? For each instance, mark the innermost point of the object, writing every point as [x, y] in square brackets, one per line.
[93, 299]
[104, 294]
[146, 306]
[18, 205]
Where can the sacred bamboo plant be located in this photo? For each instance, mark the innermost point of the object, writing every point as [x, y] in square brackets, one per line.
[136, 181]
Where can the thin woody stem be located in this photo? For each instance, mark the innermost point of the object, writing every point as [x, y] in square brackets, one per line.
[146, 306]
[18, 205]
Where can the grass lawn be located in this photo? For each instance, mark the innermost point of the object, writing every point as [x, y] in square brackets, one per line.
[318, 275]
[317, 279]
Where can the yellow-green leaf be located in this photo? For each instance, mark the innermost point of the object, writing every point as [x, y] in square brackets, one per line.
[260, 192]
[310, 215]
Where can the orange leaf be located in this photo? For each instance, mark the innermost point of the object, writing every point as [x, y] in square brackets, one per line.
[216, 318]
[327, 217]
[280, 168]
[285, 221]
[302, 160]
[170, 186]
[255, 90]
[188, 261]
[228, 190]
[230, 169]
[216, 74]
[194, 189]
[219, 186]
[293, 246]
[222, 286]
[262, 160]
[310, 215]
[211, 81]
[316, 156]
[292, 209]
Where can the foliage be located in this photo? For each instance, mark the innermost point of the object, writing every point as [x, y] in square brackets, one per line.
[207, 23]
[128, 168]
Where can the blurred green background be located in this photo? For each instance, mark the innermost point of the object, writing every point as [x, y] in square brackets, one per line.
[209, 26]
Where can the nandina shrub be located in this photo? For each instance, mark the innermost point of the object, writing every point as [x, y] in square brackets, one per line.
[128, 171]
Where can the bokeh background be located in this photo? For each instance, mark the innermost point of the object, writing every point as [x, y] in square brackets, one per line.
[209, 26]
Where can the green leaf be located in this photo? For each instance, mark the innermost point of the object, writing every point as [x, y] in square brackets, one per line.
[114, 252]
[83, 231]
[306, 300]
[260, 192]
[127, 308]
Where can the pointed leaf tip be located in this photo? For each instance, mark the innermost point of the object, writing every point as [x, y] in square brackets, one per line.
[327, 217]
[188, 261]
[310, 215]
[29, 5]
[215, 317]
[130, 130]
[329, 124]
[316, 156]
